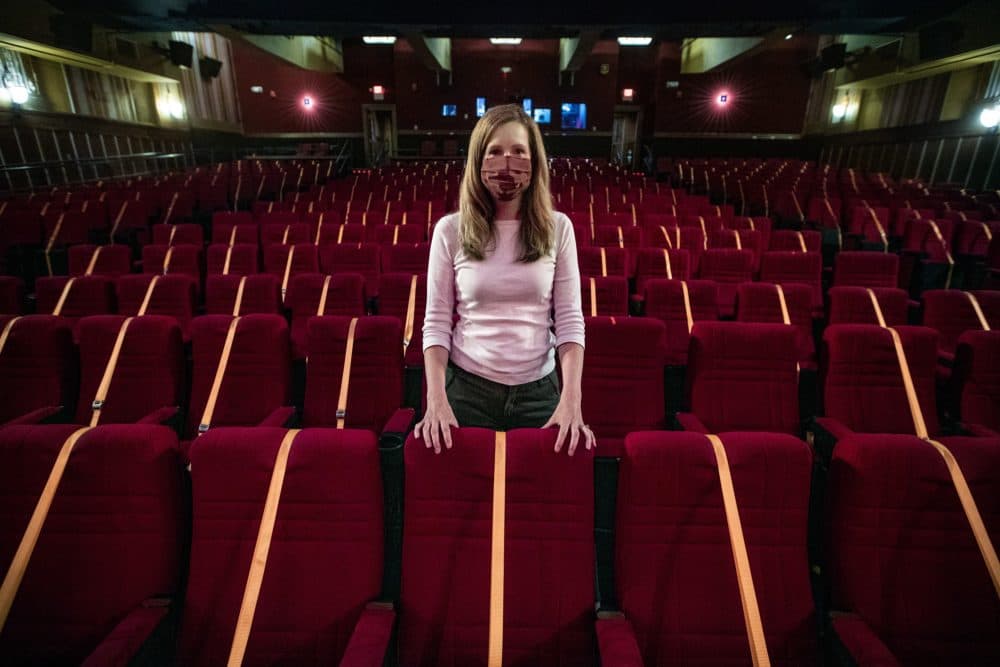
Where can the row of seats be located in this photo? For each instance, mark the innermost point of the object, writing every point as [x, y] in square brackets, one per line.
[331, 589]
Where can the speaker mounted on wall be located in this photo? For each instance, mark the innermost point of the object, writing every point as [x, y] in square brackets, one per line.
[209, 67]
[181, 53]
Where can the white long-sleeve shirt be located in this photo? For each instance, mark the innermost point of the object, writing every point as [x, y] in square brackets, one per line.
[505, 307]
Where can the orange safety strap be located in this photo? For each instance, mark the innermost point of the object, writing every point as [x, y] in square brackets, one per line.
[635, 221]
[345, 378]
[411, 311]
[118, 220]
[404, 219]
[767, 208]
[109, 371]
[744, 577]
[881, 231]
[739, 243]
[220, 372]
[666, 236]
[798, 209]
[876, 307]
[236, 194]
[987, 231]
[802, 241]
[604, 263]
[52, 242]
[284, 237]
[288, 271]
[319, 228]
[947, 252]
[621, 239]
[340, 234]
[752, 226]
[6, 332]
[395, 236]
[258, 562]
[784, 305]
[239, 297]
[92, 264]
[167, 258]
[976, 307]
[666, 261]
[173, 233]
[63, 296]
[229, 257]
[19, 564]
[170, 209]
[148, 296]
[593, 297]
[260, 188]
[387, 209]
[687, 305]
[497, 538]
[321, 308]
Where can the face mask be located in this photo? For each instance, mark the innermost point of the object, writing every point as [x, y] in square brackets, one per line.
[505, 176]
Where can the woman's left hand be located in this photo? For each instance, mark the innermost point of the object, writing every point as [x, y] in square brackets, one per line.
[569, 417]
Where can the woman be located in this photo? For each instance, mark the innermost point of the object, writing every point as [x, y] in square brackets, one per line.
[506, 262]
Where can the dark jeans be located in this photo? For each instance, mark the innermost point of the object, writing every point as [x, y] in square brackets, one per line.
[477, 401]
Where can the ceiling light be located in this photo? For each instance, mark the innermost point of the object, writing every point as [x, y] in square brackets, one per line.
[839, 111]
[176, 109]
[635, 41]
[788, 36]
[18, 94]
[257, 89]
[988, 117]
[514, 41]
[379, 39]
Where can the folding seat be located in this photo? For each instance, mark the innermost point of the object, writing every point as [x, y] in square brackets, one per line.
[173, 296]
[660, 263]
[363, 258]
[260, 293]
[285, 233]
[187, 234]
[548, 552]
[147, 377]
[394, 297]
[728, 267]
[695, 241]
[112, 536]
[20, 234]
[976, 382]
[655, 220]
[129, 218]
[276, 217]
[872, 225]
[322, 224]
[742, 377]
[38, 368]
[386, 235]
[329, 511]
[258, 359]
[853, 305]
[952, 312]
[804, 241]
[287, 261]
[184, 260]
[973, 237]
[582, 233]
[605, 296]
[894, 519]
[176, 206]
[373, 395]
[664, 301]
[231, 218]
[312, 294]
[239, 259]
[623, 378]
[865, 269]
[661, 237]
[789, 267]
[75, 297]
[673, 552]
[614, 219]
[746, 239]
[64, 227]
[825, 211]
[761, 302]
[107, 260]
[863, 388]
[406, 258]
[11, 295]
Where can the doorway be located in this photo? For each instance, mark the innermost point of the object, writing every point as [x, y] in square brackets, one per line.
[379, 122]
[625, 135]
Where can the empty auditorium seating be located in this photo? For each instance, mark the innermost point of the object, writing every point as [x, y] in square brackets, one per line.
[664, 301]
[187, 234]
[742, 377]
[288, 261]
[255, 385]
[853, 305]
[603, 262]
[261, 294]
[786, 267]
[976, 381]
[363, 258]
[760, 302]
[11, 295]
[866, 269]
[802, 241]
[623, 378]
[676, 582]
[147, 379]
[605, 296]
[952, 312]
[661, 263]
[110, 260]
[548, 552]
[172, 295]
[75, 297]
[345, 295]
[239, 259]
[406, 257]
[895, 520]
[394, 300]
[728, 268]
[284, 233]
[38, 368]
[184, 259]
[107, 560]
[324, 564]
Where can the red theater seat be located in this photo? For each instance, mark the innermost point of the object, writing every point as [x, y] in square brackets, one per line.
[610, 296]
[242, 259]
[742, 377]
[11, 295]
[285, 233]
[853, 305]
[623, 379]
[111, 260]
[866, 269]
[386, 235]
[325, 559]
[393, 300]
[406, 258]
[38, 368]
[183, 259]
[345, 296]
[675, 575]
[651, 264]
[951, 313]
[976, 380]
[363, 258]
[88, 295]
[789, 267]
[895, 519]
[261, 294]
[187, 234]
[148, 381]
[173, 296]
[665, 302]
[108, 550]
[759, 302]
[728, 268]
[613, 262]
[786, 239]
[548, 552]
[255, 386]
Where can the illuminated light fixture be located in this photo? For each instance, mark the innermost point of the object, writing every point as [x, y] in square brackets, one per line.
[378, 90]
[506, 69]
[990, 117]
[635, 41]
[307, 102]
[838, 111]
[512, 41]
[378, 39]
[788, 36]
[628, 94]
[722, 99]
[18, 94]
[175, 108]
[257, 89]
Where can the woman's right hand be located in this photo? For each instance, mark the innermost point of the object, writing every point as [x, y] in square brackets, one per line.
[435, 427]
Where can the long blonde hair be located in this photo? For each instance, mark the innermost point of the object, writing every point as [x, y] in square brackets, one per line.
[476, 207]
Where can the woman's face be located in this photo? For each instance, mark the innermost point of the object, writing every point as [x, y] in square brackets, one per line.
[506, 168]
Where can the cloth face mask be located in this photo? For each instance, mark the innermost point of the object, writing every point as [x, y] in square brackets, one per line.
[506, 175]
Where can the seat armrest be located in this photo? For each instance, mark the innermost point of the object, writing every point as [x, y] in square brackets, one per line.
[980, 431]
[160, 415]
[689, 422]
[35, 416]
[399, 424]
[834, 427]
[861, 643]
[616, 641]
[370, 639]
[127, 638]
[279, 417]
